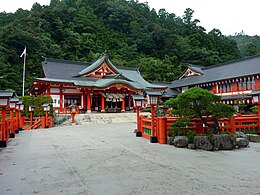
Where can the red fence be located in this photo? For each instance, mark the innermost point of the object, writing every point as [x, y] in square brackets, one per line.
[162, 125]
[9, 127]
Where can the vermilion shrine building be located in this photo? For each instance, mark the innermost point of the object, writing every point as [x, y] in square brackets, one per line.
[234, 81]
[102, 86]
[99, 86]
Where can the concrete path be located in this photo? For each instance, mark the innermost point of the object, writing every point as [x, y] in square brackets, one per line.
[109, 159]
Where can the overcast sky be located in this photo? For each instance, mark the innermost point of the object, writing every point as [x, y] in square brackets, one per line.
[230, 16]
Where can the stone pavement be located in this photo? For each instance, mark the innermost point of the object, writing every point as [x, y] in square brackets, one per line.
[109, 159]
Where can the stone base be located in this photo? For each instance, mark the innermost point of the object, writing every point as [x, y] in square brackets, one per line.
[17, 131]
[153, 139]
[88, 111]
[3, 144]
[138, 134]
[122, 110]
[102, 111]
[12, 135]
[254, 138]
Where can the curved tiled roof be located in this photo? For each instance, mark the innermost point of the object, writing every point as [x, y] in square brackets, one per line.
[239, 68]
[96, 64]
[64, 71]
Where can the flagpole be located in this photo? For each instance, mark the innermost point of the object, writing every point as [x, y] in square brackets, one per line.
[24, 59]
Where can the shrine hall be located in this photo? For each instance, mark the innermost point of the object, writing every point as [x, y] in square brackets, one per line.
[99, 86]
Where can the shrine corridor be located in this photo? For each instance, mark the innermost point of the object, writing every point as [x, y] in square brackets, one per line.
[109, 159]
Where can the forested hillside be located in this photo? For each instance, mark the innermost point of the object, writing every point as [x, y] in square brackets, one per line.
[248, 45]
[160, 44]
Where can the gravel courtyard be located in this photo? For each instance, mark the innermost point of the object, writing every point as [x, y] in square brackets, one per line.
[109, 159]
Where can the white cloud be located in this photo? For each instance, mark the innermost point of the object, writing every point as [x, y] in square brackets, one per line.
[13, 5]
[229, 16]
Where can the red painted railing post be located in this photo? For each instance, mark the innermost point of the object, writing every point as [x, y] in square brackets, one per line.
[50, 121]
[43, 122]
[258, 116]
[141, 124]
[17, 121]
[3, 140]
[162, 130]
[46, 119]
[12, 134]
[31, 118]
[199, 127]
[232, 126]
[73, 118]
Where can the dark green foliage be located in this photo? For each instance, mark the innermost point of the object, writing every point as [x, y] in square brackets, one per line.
[200, 103]
[133, 34]
[38, 102]
[254, 109]
[179, 128]
[248, 45]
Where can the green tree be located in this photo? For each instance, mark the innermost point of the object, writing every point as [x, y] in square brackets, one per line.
[200, 103]
[250, 49]
[133, 34]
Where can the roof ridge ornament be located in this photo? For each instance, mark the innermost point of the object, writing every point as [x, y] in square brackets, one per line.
[104, 54]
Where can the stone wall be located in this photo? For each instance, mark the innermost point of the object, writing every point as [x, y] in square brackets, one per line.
[100, 118]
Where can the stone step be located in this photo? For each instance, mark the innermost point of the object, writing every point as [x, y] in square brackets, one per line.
[100, 118]
[253, 138]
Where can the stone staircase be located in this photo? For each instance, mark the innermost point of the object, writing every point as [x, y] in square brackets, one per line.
[98, 118]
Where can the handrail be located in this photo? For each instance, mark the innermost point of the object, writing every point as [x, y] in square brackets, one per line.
[244, 123]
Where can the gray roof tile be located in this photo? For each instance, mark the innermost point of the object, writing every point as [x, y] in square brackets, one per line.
[229, 70]
[65, 71]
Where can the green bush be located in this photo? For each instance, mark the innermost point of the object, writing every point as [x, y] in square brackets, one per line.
[254, 109]
[38, 102]
[190, 135]
[179, 128]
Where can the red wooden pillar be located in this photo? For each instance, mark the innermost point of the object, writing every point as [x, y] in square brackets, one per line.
[257, 83]
[232, 126]
[73, 118]
[138, 120]
[84, 100]
[43, 122]
[123, 104]
[162, 130]
[88, 102]
[141, 129]
[152, 122]
[214, 88]
[153, 138]
[17, 121]
[20, 120]
[102, 103]
[235, 89]
[61, 99]
[199, 127]
[50, 121]
[3, 140]
[46, 119]
[48, 91]
[31, 118]
[12, 135]
[258, 114]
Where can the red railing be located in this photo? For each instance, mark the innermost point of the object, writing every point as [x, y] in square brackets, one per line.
[9, 127]
[245, 123]
[38, 122]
